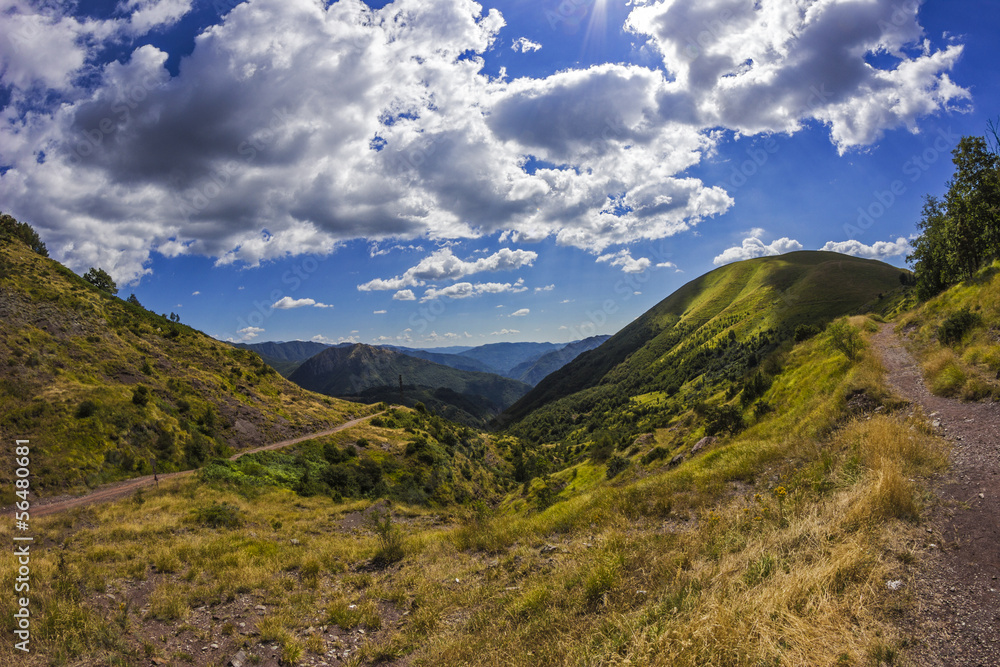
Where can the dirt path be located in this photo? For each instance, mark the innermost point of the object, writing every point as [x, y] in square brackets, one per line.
[121, 489]
[957, 618]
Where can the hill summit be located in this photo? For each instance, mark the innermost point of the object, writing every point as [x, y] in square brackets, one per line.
[716, 329]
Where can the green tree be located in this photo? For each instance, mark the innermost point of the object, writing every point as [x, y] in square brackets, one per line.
[972, 206]
[134, 300]
[100, 279]
[22, 231]
[930, 250]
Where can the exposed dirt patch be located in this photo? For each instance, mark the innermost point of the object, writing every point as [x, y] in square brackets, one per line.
[956, 622]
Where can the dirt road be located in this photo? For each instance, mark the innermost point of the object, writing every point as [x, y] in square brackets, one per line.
[122, 489]
[957, 594]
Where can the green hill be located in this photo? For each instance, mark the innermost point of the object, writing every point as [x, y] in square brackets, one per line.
[103, 387]
[716, 329]
[373, 374]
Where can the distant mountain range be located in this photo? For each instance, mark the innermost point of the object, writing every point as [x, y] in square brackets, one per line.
[524, 362]
[376, 374]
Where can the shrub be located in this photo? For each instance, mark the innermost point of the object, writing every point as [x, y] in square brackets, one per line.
[845, 338]
[140, 395]
[86, 409]
[954, 328]
[616, 464]
[390, 537]
[805, 332]
[219, 515]
[724, 418]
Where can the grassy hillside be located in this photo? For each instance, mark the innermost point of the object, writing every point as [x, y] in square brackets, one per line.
[373, 374]
[717, 330]
[955, 335]
[773, 547]
[103, 387]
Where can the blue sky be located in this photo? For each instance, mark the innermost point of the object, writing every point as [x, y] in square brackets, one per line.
[453, 173]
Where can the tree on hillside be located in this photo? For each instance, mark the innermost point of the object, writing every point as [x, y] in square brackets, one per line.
[100, 279]
[134, 300]
[930, 250]
[961, 232]
[11, 228]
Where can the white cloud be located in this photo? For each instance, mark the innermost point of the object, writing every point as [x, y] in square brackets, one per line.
[379, 312]
[525, 45]
[287, 303]
[878, 250]
[547, 288]
[195, 293]
[773, 66]
[146, 15]
[404, 295]
[444, 265]
[294, 126]
[624, 259]
[249, 333]
[320, 338]
[520, 313]
[753, 247]
[505, 332]
[465, 290]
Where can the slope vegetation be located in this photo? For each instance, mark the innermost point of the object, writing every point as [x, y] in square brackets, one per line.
[104, 387]
[716, 330]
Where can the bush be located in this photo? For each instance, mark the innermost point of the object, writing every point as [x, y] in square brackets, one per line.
[616, 464]
[954, 328]
[724, 418]
[86, 409]
[805, 332]
[390, 537]
[140, 395]
[845, 338]
[219, 516]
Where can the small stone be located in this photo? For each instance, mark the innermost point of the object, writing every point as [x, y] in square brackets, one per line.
[894, 585]
[214, 645]
[981, 495]
[260, 607]
[295, 541]
[548, 548]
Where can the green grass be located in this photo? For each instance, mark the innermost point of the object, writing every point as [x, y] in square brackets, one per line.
[75, 357]
[952, 335]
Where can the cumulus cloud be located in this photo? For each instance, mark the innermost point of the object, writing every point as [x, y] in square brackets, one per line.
[547, 288]
[444, 265]
[465, 290]
[878, 250]
[404, 295]
[753, 247]
[505, 332]
[520, 313]
[379, 312]
[525, 45]
[626, 262]
[249, 333]
[293, 126]
[772, 66]
[288, 303]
